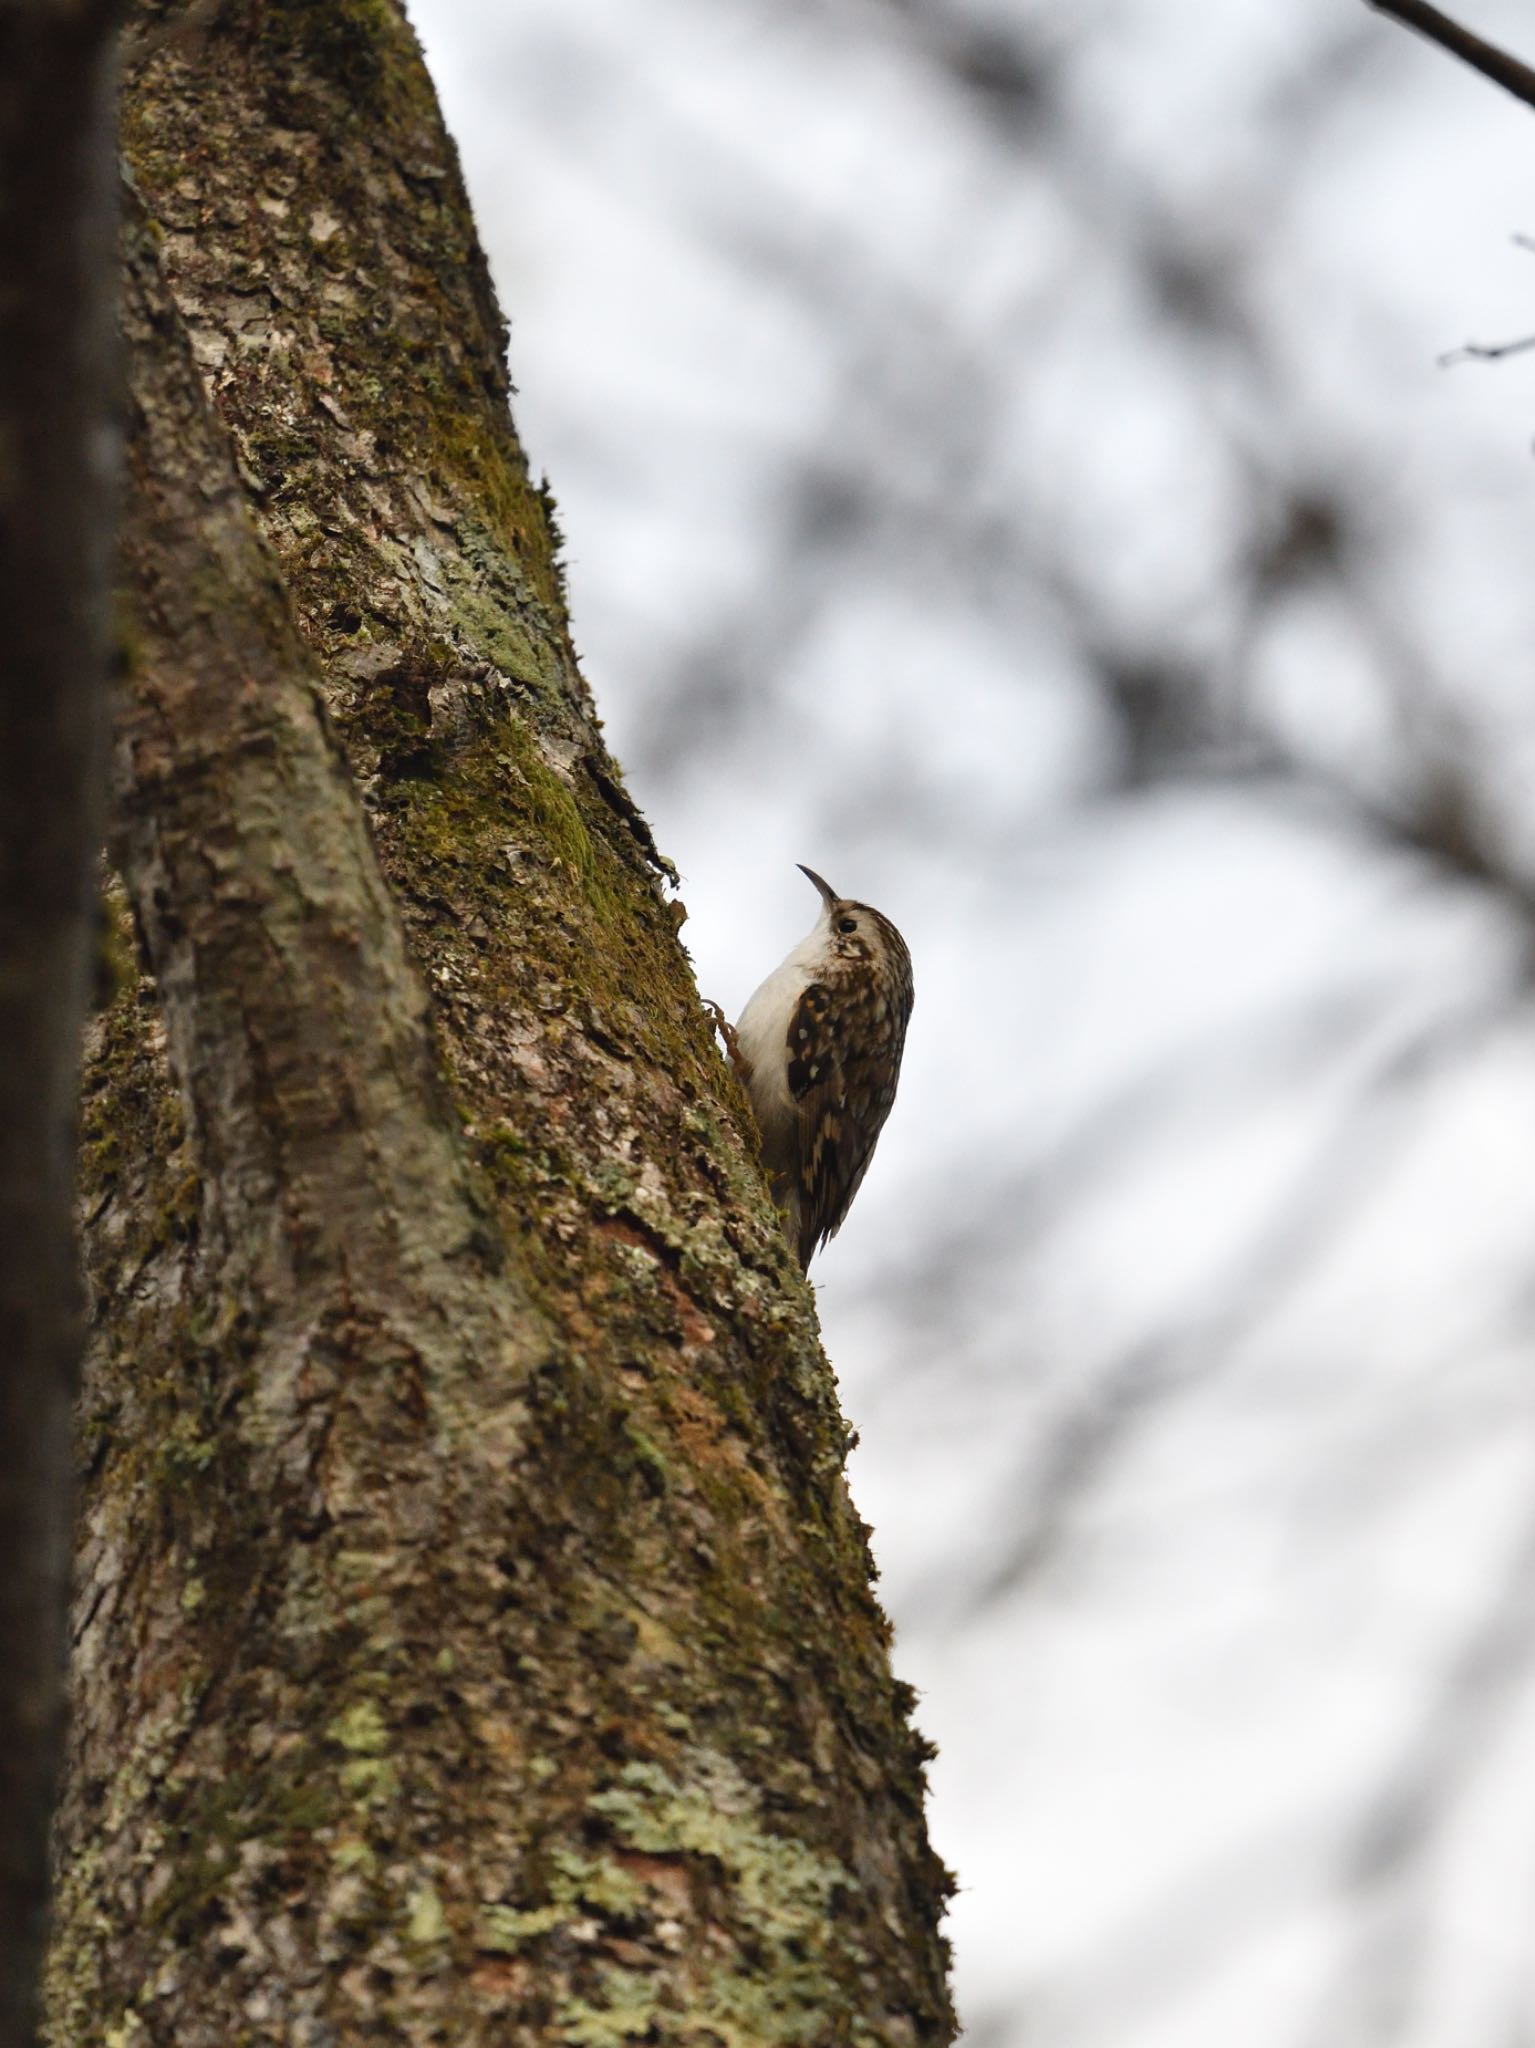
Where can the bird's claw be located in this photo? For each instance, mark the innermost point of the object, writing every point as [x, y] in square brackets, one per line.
[732, 1044]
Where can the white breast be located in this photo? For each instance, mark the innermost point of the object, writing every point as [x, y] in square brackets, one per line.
[763, 1035]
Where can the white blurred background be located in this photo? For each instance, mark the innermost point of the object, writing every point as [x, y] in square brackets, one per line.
[1005, 463]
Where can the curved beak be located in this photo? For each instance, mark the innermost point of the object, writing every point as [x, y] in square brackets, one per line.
[828, 893]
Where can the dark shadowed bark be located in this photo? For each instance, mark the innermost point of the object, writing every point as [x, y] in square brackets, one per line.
[57, 286]
[475, 1640]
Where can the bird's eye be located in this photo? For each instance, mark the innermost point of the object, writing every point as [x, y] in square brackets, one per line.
[847, 924]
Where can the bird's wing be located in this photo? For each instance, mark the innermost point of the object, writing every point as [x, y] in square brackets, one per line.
[835, 1142]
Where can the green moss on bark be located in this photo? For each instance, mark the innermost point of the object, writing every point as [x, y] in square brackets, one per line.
[493, 1682]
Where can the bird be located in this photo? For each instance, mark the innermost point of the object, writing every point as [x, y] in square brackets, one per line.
[819, 1047]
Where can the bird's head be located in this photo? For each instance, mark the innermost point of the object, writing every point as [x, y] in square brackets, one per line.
[855, 934]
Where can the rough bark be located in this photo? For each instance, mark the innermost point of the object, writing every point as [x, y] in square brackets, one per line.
[57, 287]
[475, 1639]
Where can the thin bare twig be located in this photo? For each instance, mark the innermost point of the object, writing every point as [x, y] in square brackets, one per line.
[1485, 351]
[1505, 70]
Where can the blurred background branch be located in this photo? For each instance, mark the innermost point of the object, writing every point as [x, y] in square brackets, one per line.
[1487, 58]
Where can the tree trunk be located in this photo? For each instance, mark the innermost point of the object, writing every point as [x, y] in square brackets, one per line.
[57, 387]
[475, 1640]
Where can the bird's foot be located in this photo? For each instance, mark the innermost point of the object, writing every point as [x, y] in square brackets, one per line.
[732, 1044]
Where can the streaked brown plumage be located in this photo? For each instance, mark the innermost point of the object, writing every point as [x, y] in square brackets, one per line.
[821, 1043]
